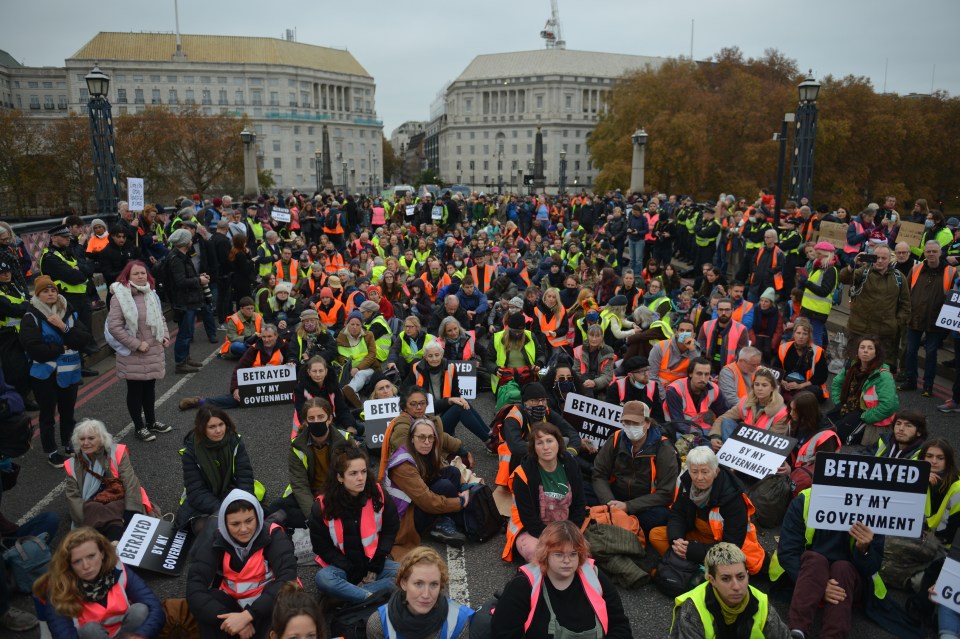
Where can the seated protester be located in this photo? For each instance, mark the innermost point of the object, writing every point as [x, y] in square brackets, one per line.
[590, 318]
[652, 325]
[767, 325]
[518, 424]
[308, 462]
[633, 383]
[282, 309]
[98, 458]
[726, 605]
[550, 321]
[375, 323]
[513, 353]
[421, 607]
[449, 308]
[670, 358]
[595, 360]
[215, 461]
[736, 378]
[721, 338]
[829, 569]
[233, 585]
[618, 329]
[458, 344]
[315, 380]
[311, 287]
[710, 507]
[425, 490]
[242, 327]
[310, 339]
[904, 440]
[560, 381]
[636, 469]
[864, 392]
[356, 347]
[374, 294]
[438, 376]
[560, 594]
[265, 351]
[472, 302]
[353, 525]
[421, 306]
[332, 312]
[943, 504]
[762, 408]
[547, 486]
[813, 431]
[296, 614]
[408, 347]
[806, 359]
[86, 592]
[261, 299]
[695, 398]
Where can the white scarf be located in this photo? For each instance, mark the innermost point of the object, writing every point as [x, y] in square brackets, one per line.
[128, 307]
[58, 309]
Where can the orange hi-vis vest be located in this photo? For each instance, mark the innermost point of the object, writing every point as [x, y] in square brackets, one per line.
[431, 289]
[235, 318]
[246, 586]
[275, 360]
[949, 274]
[730, 342]
[653, 467]
[777, 277]
[587, 573]
[758, 418]
[817, 355]
[468, 348]
[119, 450]
[871, 399]
[691, 410]
[671, 371]
[550, 325]
[808, 451]
[334, 263]
[371, 523]
[447, 391]
[504, 456]
[112, 614]
[352, 300]
[482, 283]
[315, 285]
[751, 547]
[290, 275]
[742, 389]
[621, 384]
[741, 310]
[850, 249]
[96, 244]
[329, 317]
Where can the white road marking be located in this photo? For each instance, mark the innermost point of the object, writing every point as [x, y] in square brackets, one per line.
[59, 488]
[457, 567]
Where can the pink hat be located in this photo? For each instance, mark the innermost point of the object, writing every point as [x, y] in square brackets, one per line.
[825, 246]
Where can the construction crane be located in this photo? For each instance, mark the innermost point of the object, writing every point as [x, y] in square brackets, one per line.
[551, 30]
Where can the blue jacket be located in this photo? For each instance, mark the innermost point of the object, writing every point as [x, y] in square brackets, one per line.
[639, 224]
[477, 302]
[12, 397]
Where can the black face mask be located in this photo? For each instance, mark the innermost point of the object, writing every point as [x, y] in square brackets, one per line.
[319, 429]
[515, 335]
[537, 413]
[565, 385]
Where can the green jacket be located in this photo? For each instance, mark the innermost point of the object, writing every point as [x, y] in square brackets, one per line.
[883, 303]
[300, 465]
[888, 402]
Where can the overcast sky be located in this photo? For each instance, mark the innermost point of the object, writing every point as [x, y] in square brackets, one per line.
[413, 47]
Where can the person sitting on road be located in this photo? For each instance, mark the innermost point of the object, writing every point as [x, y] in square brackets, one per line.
[864, 395]
[296, 614]
[215, 461]
[695, 398]
[561, 593]
[243, 326]
[309, 339]
[352, 529]
[357, 347]
[88, 593]
[547, 486]
[670, 358]
[813, 431]
[458, 344]
[726, 605]
[636, 469]
[710, 507]
[560, 381]
[943, 504]
[804, 359]
[282, 309]
[513, 353]
[907, 436]
[98, 458]
[736, 378]
[721, 338]
[233, 585]
[315, 380]
[633, 383]
[408, 347]
[762, 408]
[595, 360]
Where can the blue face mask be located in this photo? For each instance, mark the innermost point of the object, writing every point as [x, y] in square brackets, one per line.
[682, 337]
[636, 384]
[565, 386]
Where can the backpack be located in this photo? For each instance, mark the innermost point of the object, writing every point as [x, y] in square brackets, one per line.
[180, 623]
[15, 435]
[481, 518]
[497, 424]
[508, 393]
[482, 620]
[676, 576]
[800, 479]
[330, 220]
[26, 560]
[161, 275]
[350, 622]
[770, 497]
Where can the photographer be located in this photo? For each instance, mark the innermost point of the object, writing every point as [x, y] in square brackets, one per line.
[186, 298]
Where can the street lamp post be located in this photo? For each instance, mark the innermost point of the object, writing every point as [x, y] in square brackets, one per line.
[250, 186]
[804, 137]
[353, 177]
[102, 141]
[563, 172]
[500, 170]
[346, 185]
[639, 138]
[319, 156]
[781, 161]
[530, 165]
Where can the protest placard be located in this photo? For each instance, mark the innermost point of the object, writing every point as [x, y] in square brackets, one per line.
[594, 419]
[755, 452]
[280, 215]
[911, 233]
[265, 385]
[135, 193]
[950, 312]
[887, 495]
[409, 210]
[467, 374]
[377, 414]
[833, 232]
[154, 545]
[946, 592]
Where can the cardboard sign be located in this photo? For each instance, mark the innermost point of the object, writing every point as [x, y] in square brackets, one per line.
[950, 312]
[377, 415]
[911, 233]
[436, 212]
[409, 210]
[887, 495]
[833, 232]
[265, 385]
[947, 590]
[467, 374]
[135, 193]
[280, 215]
[154, 545]
[594, 419]
[755, 452]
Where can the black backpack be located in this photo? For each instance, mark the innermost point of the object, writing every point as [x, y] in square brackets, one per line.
[330, 221]
[161, 276]
[676, 576]
[481, 518]
[350, 621]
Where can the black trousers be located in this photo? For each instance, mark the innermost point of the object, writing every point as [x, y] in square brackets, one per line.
[51, 399]
[212, 631]
[141, 396]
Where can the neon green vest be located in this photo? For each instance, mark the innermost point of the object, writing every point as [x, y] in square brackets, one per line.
[699, 598]
[529, 349]
[354, 353]
[814, 302]
[385, 341]
[77, 289]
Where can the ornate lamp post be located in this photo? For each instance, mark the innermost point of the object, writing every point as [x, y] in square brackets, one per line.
[250, 186]
[804, 137]
[102, 141]
[318, 154]
[563, 172]
[639, 138]
[346, 186]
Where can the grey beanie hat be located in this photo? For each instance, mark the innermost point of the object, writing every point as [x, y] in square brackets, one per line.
[181, 237]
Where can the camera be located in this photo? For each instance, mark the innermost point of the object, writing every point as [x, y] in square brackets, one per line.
[207, 293]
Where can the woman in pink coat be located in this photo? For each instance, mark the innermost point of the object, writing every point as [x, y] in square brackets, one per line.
[137, 331]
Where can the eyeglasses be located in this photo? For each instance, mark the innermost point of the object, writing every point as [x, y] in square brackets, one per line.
[421, 404]
[566, 378]
[565, 556]
[423, 439]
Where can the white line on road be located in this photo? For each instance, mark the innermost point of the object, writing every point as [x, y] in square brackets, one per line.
[59, 488]
[457, 568]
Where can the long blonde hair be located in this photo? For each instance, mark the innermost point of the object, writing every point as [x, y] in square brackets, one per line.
[60, 584]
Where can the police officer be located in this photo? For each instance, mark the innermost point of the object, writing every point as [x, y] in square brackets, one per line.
[13, 303]
[707, 231]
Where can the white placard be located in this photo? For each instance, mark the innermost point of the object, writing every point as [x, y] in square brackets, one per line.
[467, 374]
[756, 452]
[377, 415]
[135, 193]
[594, 419]
[264, 385]
[280, 215]
[410, 210]
[950, 312]
[946, 592]
[887, 495]
[436, 212]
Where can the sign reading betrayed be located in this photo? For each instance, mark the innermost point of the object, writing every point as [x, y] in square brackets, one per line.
[755, 452]
[950, 312]
[595, 420]
[265, 385]
[153, 544]
[280, 215]
[377, 414]
[885, 495]
[467, 374]
[947, 590]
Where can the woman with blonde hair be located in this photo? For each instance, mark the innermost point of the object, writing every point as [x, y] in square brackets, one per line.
[88, 594]
[762, 408]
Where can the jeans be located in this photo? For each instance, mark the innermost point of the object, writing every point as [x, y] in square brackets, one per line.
[636, 255]
[447, 485]
[651, 518]
[727, 426]
[181, 347]
[469, 417]
[948, 622]
[209, 323]
[220, 401]
[332, 581]
[819, 332]
[932, 343]
[137, 613]
[237, 349]
[360, 379]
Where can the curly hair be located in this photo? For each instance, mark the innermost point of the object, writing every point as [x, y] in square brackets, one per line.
[423, 555]
[60, 584]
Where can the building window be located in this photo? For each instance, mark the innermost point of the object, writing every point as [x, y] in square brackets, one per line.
[190, 99]
[62, 102]
[310, 132]
[577, 149]
[238, 80]
[529, 149]
[138, 78]
[155, 96]
[293, 99]
[238, 97]
[138, 96]
[459, 152]
[486, 149]
[275, 129]
[539, 102]
[84, 96]
[221, 79]
[296, 131]
[277, 163]
[274, 98]
[576, 165]
[350, 148]
[273, 82]
[299, 163]
[33, 85]
[205, 97]
[48, 85]
[48, 102]
[154, 78]
[256, 82]
[205, 79]
[296, 145]
[486, 165]
[223, 96]
[513, 149]
[276, 147]
[473, 150]
[256, 97]
[468, 105]
[188, 79]
[172, 79]
[121, 96]
[291, 82]
[172, 96]
[304, 99]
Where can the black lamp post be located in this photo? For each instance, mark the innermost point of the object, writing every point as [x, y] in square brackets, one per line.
[805, 133]
[318, 154]
[102, 140]
[346, 186]
[781, 161]
[563, 172]
[530, 166]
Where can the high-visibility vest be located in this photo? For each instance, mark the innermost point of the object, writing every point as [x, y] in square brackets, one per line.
[458, 616]
[338, 229]
[587, 574]
[578, 356]
[246, 586]
[119, 450]
[238, 322]
[851, 249]
[96, 244]
[447, 390]
[699, 598]
[468, 347]
[352, 300]
[111, 615]
[744, 308]
[871, 399]
[432, 289]
[706, 241]
[266, 270]
[777, 277]
[671, 371]
[354, 353]
[818, 303]
[257, 228]
[385, 341]
[949, 274]
[529, 349]
[808, 451]
[275, 360]
[70, 261]
[12, 322]
[334, 263]
[730, 342]
[691, 410]
[406, 350]
[313, 283]
[742, 389]
[504, 456]
[291, 274]
[944, 237]
[751, 547]
[650, 389]
[758, 418]
[653, 465]
[329, 317]
[483, 282]
[651, 222]
[371, 523]
[817, 354]
[550, 325]
[950, 506]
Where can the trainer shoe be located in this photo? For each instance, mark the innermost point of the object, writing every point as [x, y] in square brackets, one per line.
[446, 532]
[184, 368]
[192, 362]
[927, 392]
[55, 459]
[949, 407]
[18, 620]
[797, 634]
[143, 434]
[222, 327]
[159, 427]
[189, 402]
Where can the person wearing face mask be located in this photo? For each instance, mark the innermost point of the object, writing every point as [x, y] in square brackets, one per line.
[637, 467]
[514, 353]
[934, 230]
[633, 383]
[670, 358]
[560, 381]
[315, 380]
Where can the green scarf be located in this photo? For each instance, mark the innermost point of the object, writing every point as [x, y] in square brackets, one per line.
[730, 614]
[214, 460]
